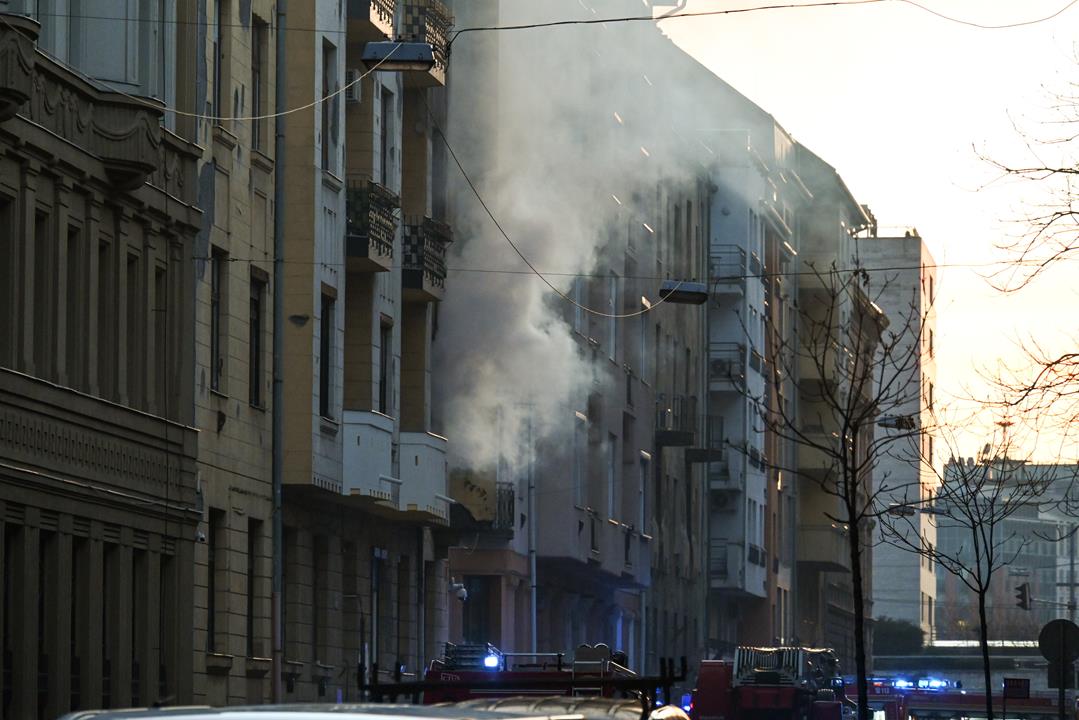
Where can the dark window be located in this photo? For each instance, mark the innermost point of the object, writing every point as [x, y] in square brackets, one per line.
[76, 344]
[259, 33]
[386, 101]
[329, 107]
[106, 322]
[254, 343]
[254, 535]
[136, 333]
[162, 356]
[325, 364]
[44, 297]
[215, 568]
[9, 285]
[385, 358]
[221, 58]
[318, 589]
[218, 280]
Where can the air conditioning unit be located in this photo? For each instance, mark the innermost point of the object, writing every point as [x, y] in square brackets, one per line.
[353, 86]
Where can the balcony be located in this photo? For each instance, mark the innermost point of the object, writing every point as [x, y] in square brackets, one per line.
[370, 19]
[505, 506]
[423, 477]
[676, 420]
[423, 275]
[370, 226]
[368, 459]
[727, 270]
[823, 548]
[427, 21]
[726, 471]
[734, 570]
[727, 367]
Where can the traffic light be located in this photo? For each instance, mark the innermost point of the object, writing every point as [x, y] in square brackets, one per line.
[1022, 596]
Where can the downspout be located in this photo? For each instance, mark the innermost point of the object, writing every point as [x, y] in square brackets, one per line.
[277, 475]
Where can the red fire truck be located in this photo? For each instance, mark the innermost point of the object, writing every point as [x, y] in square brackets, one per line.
[784, 683]
[932, 699]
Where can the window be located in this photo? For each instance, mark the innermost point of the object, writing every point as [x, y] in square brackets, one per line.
[216, 547]
[106, 321]
[643, 370]
[580, 447]
[325, 362]
[218, 282]
[136, 333]
[160, 320]
[318, 601]
[221, 58]
[44, 316]
[642, 508]
[329, 108]
[254, 535]
[74, 357]
[260, 31]
[254, 342]
[385, 140]
[385, 359]
[612, 469]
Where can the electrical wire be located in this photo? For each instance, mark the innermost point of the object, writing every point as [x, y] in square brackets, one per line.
[158, 105]
[759, 8]
[656, 278]
[520, 253]
[493, 28]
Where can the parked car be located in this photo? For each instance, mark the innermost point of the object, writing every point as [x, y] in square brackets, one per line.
[369, 711]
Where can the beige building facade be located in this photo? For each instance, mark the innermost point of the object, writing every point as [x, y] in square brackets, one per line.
[233, 268]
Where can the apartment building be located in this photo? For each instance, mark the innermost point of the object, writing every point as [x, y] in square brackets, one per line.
[597, 536]
[839, 327]
[232, 351]
[904, 583]
[752, 489]
[98, 479]
[365, 478]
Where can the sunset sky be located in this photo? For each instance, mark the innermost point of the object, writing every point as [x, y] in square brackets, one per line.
[902, 102]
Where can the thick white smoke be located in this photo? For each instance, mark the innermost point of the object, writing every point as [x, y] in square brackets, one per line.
[564, 130]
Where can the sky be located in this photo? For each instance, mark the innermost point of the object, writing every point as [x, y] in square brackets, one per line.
[903, 104]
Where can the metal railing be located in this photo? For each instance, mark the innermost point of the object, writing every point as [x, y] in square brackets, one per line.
[369, 213]
[727, 267]
[677, 413]
[429, 21]
[505, 505]
[425, 249]
[727, 361]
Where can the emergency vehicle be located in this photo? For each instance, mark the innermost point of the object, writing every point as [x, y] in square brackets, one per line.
[781, 683]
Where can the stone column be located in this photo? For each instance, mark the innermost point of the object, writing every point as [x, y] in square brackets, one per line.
[58, 623]
[24, 644]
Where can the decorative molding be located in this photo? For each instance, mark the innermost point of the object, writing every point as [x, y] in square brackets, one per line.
[17, 57]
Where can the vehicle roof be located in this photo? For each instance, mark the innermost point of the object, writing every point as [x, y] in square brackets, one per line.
[592, 708]
[366, 711]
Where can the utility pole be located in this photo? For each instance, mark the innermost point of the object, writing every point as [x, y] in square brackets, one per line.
[1071, 571]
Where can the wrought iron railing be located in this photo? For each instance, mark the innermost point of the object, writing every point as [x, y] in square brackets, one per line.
[370, 213]
[727, 361]
[425, 249]
[679, 412]
[429, 21]
[505, 505]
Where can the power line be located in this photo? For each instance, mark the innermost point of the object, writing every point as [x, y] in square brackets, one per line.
[655, 278]
[759, 8]
[520, 253]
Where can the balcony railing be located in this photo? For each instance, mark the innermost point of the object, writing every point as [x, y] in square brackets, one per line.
[424, 262]
[378, 13]
[428, 21]
[727, 364]
[505, 505]
[370, 224]
[676, 420]
[727, 265]
[824, 548]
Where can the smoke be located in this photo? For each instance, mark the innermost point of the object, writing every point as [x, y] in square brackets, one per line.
[567, 135]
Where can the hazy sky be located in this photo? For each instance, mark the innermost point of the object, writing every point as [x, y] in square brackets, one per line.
[901, 102]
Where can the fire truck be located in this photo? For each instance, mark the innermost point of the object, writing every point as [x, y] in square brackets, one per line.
[474, 672]
[938, 699]
[781, 683]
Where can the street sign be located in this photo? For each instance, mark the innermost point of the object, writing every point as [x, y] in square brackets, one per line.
[1059, 641]
[1017, 688]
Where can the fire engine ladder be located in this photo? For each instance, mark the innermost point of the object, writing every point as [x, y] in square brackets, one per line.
[590, 663]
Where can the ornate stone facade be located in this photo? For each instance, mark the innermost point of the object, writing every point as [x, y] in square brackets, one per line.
[99, 496]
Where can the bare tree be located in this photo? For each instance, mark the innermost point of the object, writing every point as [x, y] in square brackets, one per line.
[978, 501]
[849, 367]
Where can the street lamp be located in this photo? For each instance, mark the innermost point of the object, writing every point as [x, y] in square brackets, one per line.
[390, 56]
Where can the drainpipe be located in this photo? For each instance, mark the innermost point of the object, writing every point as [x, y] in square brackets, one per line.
[280, 103]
